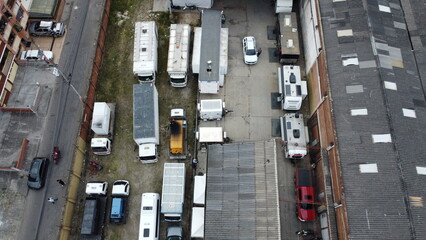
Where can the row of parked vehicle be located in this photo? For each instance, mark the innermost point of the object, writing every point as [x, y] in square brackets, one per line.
[96, 205]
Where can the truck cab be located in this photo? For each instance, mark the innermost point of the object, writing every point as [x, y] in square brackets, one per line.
[148, 153]
[101, 146]
[97, 188]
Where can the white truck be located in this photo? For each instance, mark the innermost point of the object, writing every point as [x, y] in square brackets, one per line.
[210, 53]
[103, 127]
[211, 109]
[146, 132]
[119, 197]
[178, 57]
[291, 87]
[173, 193]
[288, 48]
[293, 135]
[145, 56]
[199, 198]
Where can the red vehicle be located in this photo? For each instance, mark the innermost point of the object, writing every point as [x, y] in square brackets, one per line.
[305, 201]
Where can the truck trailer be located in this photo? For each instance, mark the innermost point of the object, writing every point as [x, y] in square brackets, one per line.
[210, 54]
[293, 135]
[103, 127]
[146, 132]
[178, 57]
[120, 195]
[291, 87]
[287, 38]
[145, 56]
[173, 193]
[178, 132]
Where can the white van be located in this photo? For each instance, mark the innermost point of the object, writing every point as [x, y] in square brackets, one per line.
[149, 225]
[36, 55]
[97, 188]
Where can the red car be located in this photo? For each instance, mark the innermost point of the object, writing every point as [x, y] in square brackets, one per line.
[305, 201]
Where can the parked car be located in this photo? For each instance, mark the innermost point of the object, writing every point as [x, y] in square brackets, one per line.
[305, 192]
[36, 55]
[38, 172]
[46, 29]
[249, 50]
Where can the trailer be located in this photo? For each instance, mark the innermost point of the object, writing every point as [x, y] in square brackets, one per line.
[210, 54]
[173, 192]
[178, 134]
[287, 38]
[211, 109]
[199, 198]
[291, 87]
[178, 57]
[293, 135]
[146, 131]
[103, 127]
[145, 58]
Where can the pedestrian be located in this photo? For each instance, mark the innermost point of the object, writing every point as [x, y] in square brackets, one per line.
[52, 200]
[194, 163]
[259, 51]
[61, 182]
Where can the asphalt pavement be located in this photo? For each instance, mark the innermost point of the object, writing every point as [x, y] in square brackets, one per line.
[41, 218]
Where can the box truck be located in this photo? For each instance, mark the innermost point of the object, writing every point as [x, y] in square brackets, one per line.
[178, 132]
[145, 56]
[293, 135]
[146, 132]
[92, 224]
[291, 87]
[178, 57]
[103, 127]
[119, 196]
[287, 38]
[173, 193]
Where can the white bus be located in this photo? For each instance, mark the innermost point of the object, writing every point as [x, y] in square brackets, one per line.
[149, 225]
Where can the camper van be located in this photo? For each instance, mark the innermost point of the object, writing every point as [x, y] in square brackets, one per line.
[149, 225]
[293, 135]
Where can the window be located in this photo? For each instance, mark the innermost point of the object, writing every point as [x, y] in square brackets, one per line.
[146, 232]
[20, 14]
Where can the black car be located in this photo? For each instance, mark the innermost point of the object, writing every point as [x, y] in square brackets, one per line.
[38, 172]
[46, 29]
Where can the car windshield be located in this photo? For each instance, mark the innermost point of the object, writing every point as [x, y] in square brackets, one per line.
[251, 52]
[307, 206]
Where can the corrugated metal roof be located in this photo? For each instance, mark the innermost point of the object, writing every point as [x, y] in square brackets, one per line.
[242, 192]
[379, 205]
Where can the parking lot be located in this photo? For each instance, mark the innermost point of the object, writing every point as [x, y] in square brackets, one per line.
[247, 92]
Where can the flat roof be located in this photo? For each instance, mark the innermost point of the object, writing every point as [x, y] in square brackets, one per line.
[210, 45]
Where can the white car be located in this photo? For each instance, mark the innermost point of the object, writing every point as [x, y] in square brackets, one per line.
[249, 50]
[36, 55]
